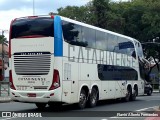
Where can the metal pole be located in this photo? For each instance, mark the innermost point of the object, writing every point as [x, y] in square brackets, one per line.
[33, 8]
[3, 56]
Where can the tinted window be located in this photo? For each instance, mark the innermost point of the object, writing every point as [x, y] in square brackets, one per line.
[89, 37]
[78, 35]
[112, 44]
[33, 26]
[72, 34]
[101, 40]
[126, 47]
[113, 72]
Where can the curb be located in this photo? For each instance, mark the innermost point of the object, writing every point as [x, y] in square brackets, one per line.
[5, 99]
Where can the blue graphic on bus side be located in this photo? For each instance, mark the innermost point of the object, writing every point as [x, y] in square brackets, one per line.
[58, 41]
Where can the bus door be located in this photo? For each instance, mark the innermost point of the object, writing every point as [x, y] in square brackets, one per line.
[111, 89]
[70, 82]
[119, 88]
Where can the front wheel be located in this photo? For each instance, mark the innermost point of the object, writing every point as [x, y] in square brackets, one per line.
[82, 99]
[93, 98]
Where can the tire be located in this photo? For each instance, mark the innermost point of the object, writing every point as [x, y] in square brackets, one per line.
[128, 95]
[41, 105]
[93, 98]
[134, 95]
[149, 93]
[82, 99]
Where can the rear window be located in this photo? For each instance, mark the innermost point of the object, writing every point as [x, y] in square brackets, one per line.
[33, 27]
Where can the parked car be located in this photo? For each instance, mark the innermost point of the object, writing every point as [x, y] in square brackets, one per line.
[148, 88]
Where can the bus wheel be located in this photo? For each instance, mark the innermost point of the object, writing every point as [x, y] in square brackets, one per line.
[134, 94]
[93, 98]
[128, 95]
[41, 105]
[82, 99]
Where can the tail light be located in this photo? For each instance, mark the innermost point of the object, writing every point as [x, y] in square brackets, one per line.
[11, 81]
[55, 81]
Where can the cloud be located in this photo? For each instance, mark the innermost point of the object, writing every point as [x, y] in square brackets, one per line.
[46, 5]
[8, 15]
[10, 9]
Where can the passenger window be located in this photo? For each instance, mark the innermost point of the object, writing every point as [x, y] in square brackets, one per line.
[89, 37]
[72, 34]
[112, 44]
[101, 40]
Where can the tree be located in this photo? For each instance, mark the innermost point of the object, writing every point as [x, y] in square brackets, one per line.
[100, 9]
[2, 39]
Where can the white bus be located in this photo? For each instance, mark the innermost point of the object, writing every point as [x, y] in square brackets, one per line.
[55, 60]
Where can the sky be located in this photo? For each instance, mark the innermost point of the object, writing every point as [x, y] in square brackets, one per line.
[10, 9]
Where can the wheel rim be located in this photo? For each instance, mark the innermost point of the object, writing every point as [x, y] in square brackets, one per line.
[83, 98]
[94, 98]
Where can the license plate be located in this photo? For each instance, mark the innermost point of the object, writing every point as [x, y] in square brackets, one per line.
[31, 94]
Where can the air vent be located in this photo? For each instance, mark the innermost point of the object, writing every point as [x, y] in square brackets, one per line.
[32, 63]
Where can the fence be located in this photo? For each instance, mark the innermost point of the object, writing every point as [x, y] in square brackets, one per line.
[4, 87]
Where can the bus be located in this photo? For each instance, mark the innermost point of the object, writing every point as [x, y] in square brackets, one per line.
[55, 60]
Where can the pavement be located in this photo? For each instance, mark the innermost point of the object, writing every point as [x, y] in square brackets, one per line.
[5, 99]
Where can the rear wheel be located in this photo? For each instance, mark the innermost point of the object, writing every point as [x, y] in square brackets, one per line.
[82, 99]
[93, 98]
[128, 95]
[134, 94]
[41, 105]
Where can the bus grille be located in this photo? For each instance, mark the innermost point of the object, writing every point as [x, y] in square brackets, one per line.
[32, 63]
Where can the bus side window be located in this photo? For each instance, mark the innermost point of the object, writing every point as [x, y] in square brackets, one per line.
[89, 37]
[112, 44]
[72, 33]
[101, 41]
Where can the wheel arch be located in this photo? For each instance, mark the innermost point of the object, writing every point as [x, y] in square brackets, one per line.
[129, 86]
[86, 88]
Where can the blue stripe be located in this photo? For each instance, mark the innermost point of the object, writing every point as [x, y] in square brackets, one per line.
[58, 41]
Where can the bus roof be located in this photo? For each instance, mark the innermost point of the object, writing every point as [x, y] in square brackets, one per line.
[83, 24]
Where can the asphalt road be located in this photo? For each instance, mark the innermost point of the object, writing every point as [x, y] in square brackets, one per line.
[105, 110]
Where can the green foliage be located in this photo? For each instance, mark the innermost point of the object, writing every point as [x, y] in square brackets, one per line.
[139, 19]
[2, 39]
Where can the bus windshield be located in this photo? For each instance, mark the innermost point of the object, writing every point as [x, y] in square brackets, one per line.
[39, 26]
